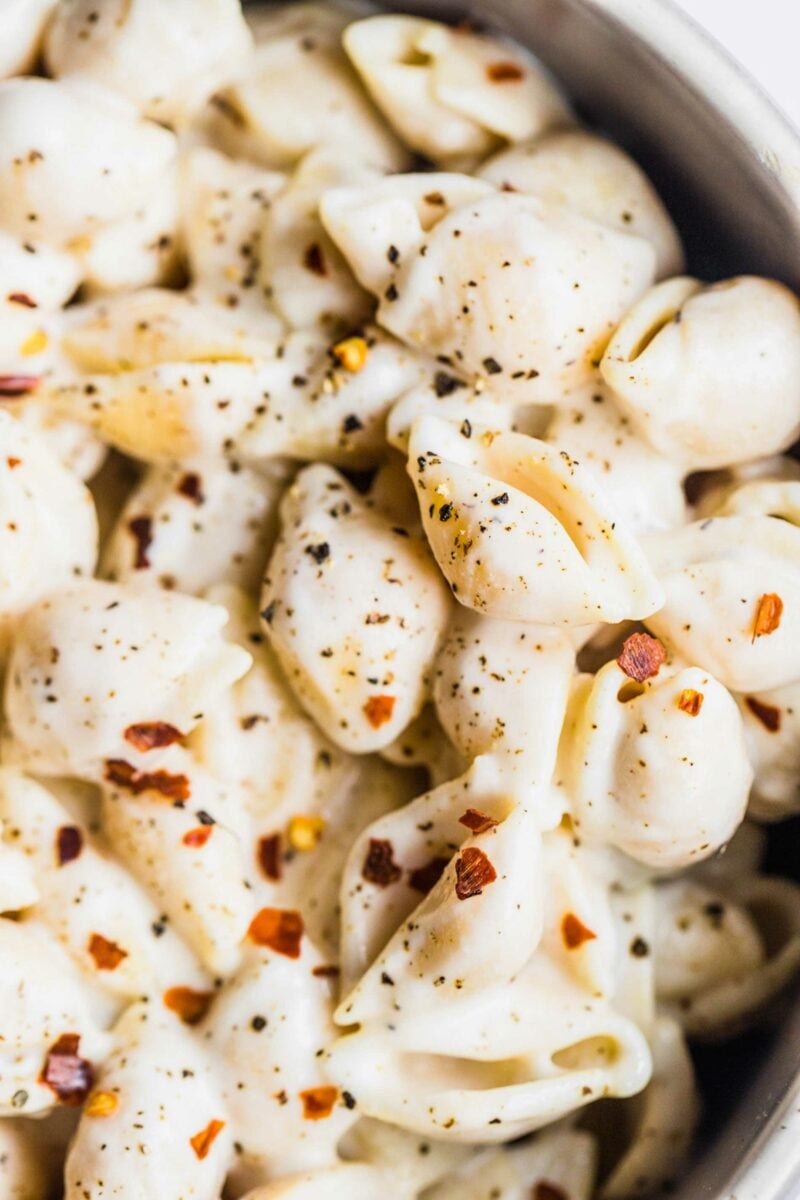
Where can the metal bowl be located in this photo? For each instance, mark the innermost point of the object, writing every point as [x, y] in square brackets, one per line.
[727, 163]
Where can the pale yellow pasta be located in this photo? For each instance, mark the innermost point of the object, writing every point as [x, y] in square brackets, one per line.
[164, 58]
[299, 91]
[75, 158]
[451, 94]
[358, 669]
[309, 281]
[732, 599]
[506, 285]
[709, 374]
[164, 653]
[158, 1119]
[583, 172]
[644, 770]
[522, 532]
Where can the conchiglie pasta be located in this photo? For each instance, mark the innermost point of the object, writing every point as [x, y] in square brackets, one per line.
[522, 532]
[520, 1083]
[662, 1120]
[558, 1162]
[357, 667]
[267, 1029]
[501, 687]
[179, 832]
[137, 252]
[658, 766]
[506, 285]
[165, 59]
[204, 523]
[156, 1116]
[298, 91]
[732, 588]
[76, 157]
[645, 488]
[293, 399]
[451, 94]
[224, 203]
[772, 730]
[48, 1014]
[709, 375]
[309, 281]
[723, 953]
[163, 652]
[399, 634]
[492, 1064]
[88, 900]
[472, 928]
[589, 175]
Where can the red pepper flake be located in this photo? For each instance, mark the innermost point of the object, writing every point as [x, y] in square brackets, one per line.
[269, 856]
[152, 735]
[191, 1006]
[378, 710]
[548, 1191]
[202, 1142]
[690, 701]
[314, 259]
[768, 615]
[197, 838]
[12, 462]
[504, 72]
[69, 843]
[172, 787]
[107, 955]
[18, 385]
[142, 530]
[22, 298]
[574, 932]
[424, 879]
[280, 929]
[642, 657]
[474, 872]
[477, 821]
[325, 972]
[318, 1102]
[379, 865]
[767, 714]
[70, 1076]
[190, 485]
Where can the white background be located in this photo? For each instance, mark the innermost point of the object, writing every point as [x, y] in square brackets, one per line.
[764, 35]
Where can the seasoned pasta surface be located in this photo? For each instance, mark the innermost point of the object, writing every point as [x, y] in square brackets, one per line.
[399, 620]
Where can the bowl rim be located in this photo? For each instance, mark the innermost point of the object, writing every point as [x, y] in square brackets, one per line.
[704, 64]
